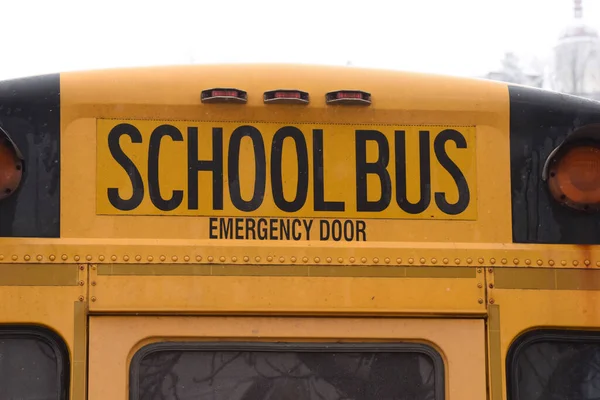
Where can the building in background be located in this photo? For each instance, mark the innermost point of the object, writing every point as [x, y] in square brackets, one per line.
[573, 68]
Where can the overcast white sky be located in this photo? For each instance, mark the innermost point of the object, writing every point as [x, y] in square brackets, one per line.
[458, 37]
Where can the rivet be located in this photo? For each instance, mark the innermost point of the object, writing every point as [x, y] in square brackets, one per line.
[317, 259]
[479, 270]
[293, 259]
[305, 259]
[340, 260]
[587, 262]
[93, 267]
[539, 262]
[257, 258]
[480, 301]
[52, 257]
[26, 258]
[490, 270]
[398, 260]
[76, 258]
[491, 285]
[281, 259]
[563, 262]
[246, 258]
[15, 257]
[125, 258]
[81, 298]
[113, 257]
[210, 258]
[479, 285]
[422, 261]
[516, 261]
[550, 262]
[234, 259]
[376, 260]
[445, 261]
[39, 257]
[81, 267]
[101, 257]
[328, 259]
[93, 283]
[222, 259]
[64, 257]
[88, 257]
[410, 261]
[481, 260]
[1, 257]
[504, 261]
[387, 260]
[150, 258]
[457, 261]
[469, 260]
[433, 261]
[528, 261]
[198, 258]
[575, 262]
[269, 258]
[597, 263]
[138, 257]
[491, 301]
[93, 298]
[174, 258]
[81, 283]
[352, 259]
[186, 258]
[492, 261]
[363, 260]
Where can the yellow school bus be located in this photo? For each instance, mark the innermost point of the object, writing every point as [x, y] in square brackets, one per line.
[262, 232]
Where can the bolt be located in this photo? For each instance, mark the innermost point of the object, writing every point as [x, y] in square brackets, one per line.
[93, 267]
[479, 285]
[480, 301]
[81, 267]
[81, 298]
[491, 285]
[490, 270]
[479, 270]
[93, 283]
[491, 301]
[93, 298]
[81, 283]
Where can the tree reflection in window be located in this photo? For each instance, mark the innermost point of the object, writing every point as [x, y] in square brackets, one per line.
[300, 375]
[551, 368]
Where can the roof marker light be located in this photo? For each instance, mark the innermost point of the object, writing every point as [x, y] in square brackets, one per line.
[348, 97]
[223, 95]
[286, 96]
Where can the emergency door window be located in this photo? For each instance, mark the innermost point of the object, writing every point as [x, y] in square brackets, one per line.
[555, 365]
[187, 371]
[32, 366]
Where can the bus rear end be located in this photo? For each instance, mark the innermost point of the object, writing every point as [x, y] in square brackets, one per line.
[290, 232]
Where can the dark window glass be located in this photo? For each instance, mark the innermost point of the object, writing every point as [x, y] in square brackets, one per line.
[32, 365]
[553, 365]
[187, 371]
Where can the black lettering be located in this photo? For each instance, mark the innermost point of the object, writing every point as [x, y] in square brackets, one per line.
[348, 230]
[250, 228]
[239, 227]
[464, 196]
[272, 229]
[361, 226]
[363, 168]
[336, 230]
[276, 173]
[324, 229]
[233, 168]
[262, 229]
[153, 156]
[215, 166]
[284, 228]
[213, 228]
[307, 226]
[320, 204]
[226, 228]
[425, 173]
[125, 162]
[296, 224]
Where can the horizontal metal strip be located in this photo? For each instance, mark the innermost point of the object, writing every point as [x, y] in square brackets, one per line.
[38, 275]
[281, 270]
[547, 279]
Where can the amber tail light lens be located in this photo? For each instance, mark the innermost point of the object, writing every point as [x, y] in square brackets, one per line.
[574, 177]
